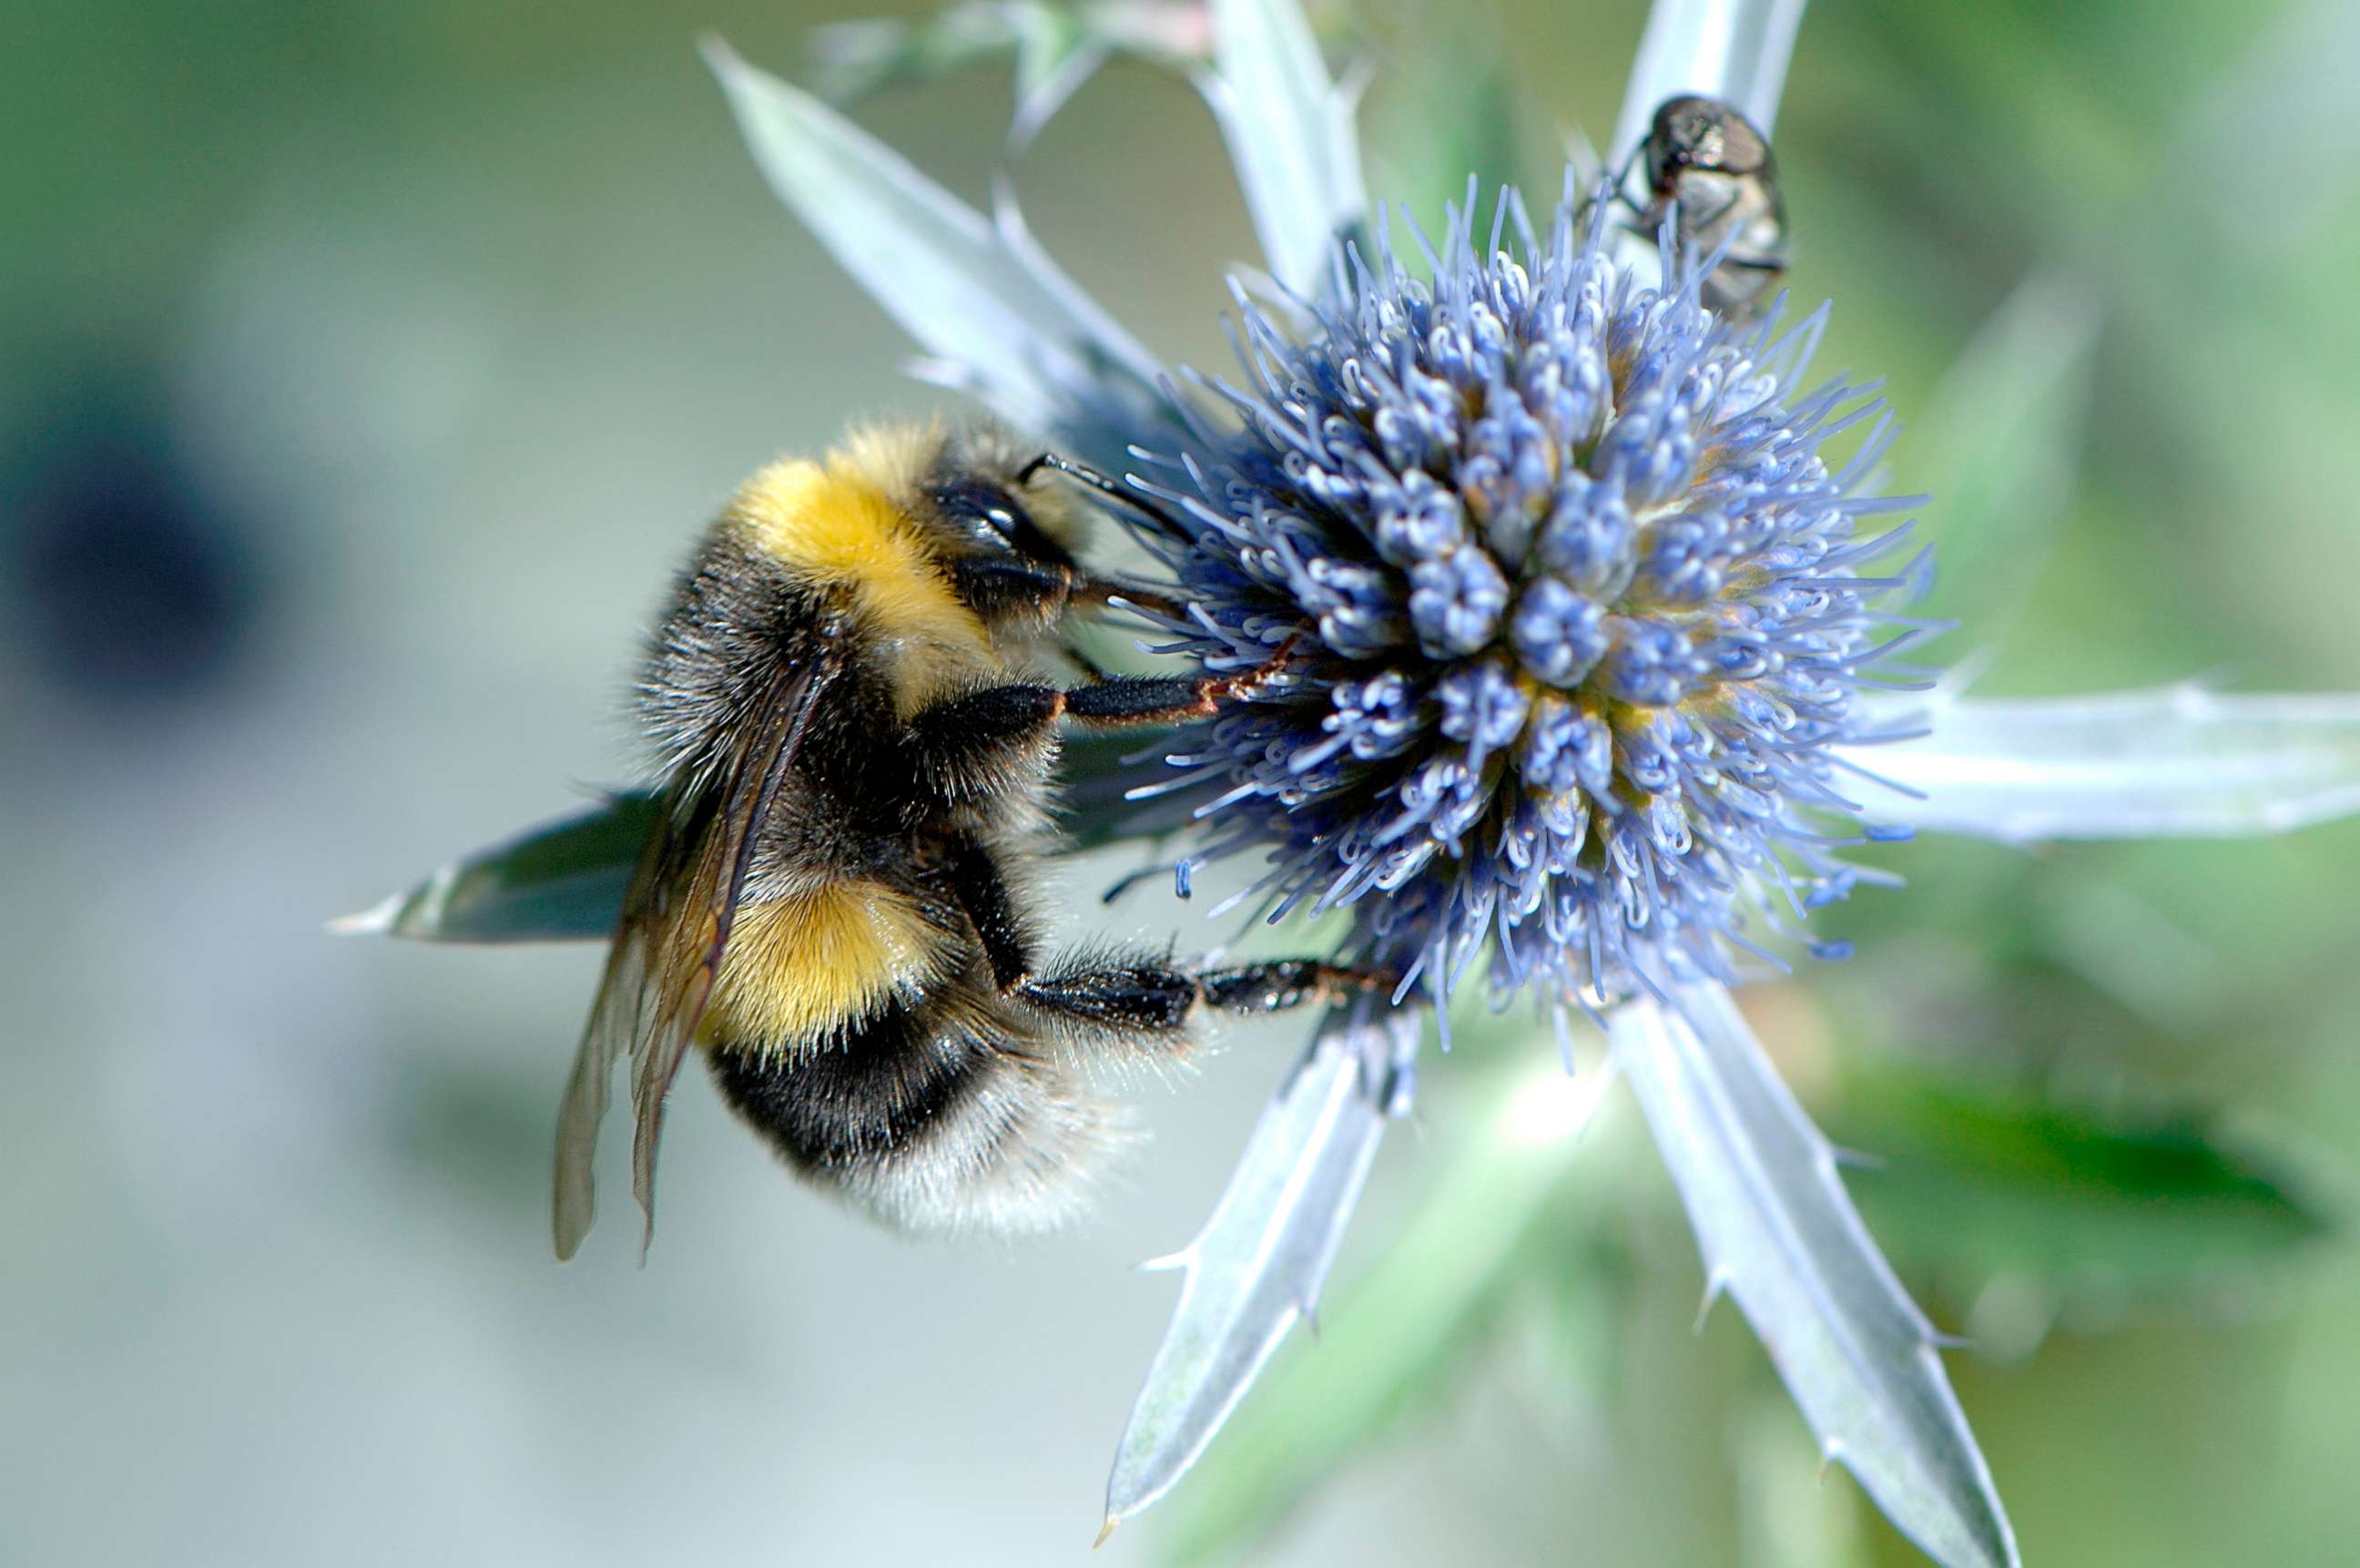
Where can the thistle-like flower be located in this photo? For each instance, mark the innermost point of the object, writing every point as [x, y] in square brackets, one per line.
[1574, 610]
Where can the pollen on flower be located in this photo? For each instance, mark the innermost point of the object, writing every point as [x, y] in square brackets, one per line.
[1578, 608]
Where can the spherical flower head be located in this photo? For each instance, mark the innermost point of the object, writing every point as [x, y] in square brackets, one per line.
[1564, 605]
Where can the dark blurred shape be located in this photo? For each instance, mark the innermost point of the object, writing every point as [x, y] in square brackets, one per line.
[128, 583]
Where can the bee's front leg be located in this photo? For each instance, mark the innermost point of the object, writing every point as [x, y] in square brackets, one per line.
[975, 745]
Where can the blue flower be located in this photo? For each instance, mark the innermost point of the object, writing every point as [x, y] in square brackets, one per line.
[1584, 539]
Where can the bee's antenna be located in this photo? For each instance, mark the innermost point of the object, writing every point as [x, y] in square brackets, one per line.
[1084, 473]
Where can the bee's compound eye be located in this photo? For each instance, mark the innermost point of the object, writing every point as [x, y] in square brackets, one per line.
[996, 518]
[983, 506]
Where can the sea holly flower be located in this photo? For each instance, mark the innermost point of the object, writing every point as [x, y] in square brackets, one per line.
[1577, 610]
[1588, 598]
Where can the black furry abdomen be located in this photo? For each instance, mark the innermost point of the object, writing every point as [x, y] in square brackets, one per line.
[879, 1095]
[929, 1124]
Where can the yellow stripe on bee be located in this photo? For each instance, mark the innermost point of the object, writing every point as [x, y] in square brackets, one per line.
[836, 526]
[800, 968]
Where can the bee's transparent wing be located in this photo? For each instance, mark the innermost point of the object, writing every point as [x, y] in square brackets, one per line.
[624, 1011]
[668, 950]
[577, 1140]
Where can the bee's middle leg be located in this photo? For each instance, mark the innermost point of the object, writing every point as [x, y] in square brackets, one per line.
[1133, 993]
[1154, 999]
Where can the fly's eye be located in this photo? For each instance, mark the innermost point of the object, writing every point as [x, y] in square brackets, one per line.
[993, 516]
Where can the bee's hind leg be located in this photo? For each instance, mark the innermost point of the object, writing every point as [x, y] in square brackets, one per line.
[1155, 999]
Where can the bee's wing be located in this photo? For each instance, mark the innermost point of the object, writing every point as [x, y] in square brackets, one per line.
[624, 1007]
[699, 933]
[674, 930]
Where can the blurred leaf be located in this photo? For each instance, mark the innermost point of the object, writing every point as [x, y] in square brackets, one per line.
[1778, 1233]
[1972, 1183]
[560, 882]
[1259, 1261]
[2128, 948]
[1291, 136]
[2175, 762]
[1402, 1328]
[1785, 1518]
[1458, 107]
[2291, 88]
[1998, 451]
[1567, 1311]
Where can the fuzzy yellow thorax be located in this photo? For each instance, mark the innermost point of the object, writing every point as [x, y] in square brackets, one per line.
[839, 526]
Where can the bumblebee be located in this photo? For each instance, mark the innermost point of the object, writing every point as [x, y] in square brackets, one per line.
[855, 749]
[1710, 170]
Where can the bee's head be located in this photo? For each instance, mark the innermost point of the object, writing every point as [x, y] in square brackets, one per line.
[990, 495]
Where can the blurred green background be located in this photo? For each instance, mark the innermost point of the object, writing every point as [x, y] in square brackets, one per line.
[363, 371]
